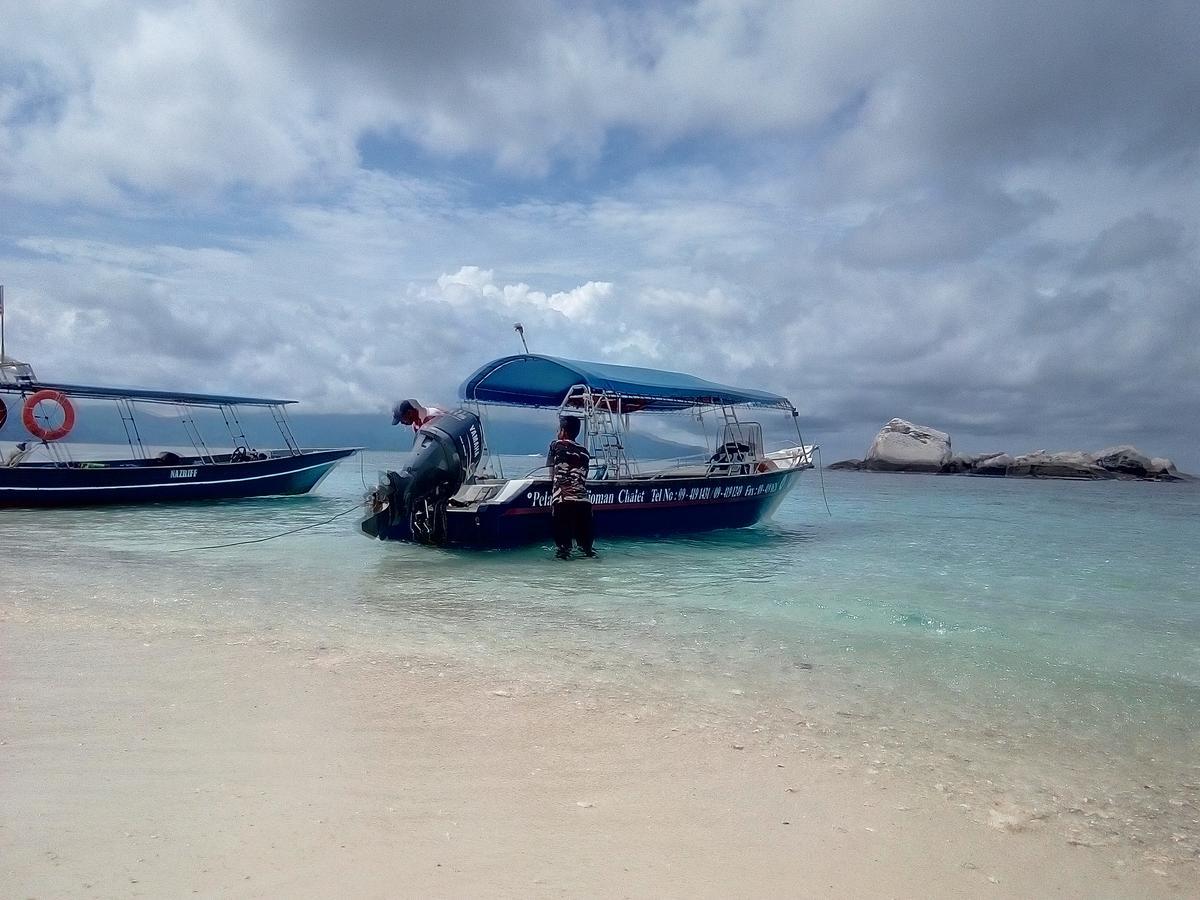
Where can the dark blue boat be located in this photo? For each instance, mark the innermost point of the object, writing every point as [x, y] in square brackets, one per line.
[58, 479]
[446, 494]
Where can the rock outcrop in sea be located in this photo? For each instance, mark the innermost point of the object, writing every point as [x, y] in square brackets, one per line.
[902, 446]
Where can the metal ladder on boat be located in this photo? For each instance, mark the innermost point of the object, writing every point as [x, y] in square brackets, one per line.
[602, 432]
[604, 440]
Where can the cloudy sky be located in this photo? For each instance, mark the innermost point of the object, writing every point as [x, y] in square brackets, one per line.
[980, 216]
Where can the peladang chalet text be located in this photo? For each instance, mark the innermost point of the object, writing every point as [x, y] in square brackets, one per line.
[665, 495]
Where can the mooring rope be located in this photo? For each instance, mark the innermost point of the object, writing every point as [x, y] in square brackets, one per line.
[821, 475]
[272, 537]
[362, 472]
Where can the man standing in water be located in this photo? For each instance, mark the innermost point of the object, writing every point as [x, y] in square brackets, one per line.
[570, 507]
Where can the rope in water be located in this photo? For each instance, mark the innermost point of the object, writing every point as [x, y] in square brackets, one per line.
[821, 475]
[362, 472]
[261, 540]
[362, 475]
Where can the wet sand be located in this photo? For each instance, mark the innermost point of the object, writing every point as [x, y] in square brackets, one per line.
[140, 764]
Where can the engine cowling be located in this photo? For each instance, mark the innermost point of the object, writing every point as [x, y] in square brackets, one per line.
[444, 456]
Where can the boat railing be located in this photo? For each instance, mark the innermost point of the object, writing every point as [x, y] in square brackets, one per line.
[16, 374]
[739, 450]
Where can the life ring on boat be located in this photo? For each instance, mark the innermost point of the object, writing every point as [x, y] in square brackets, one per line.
[36, 428]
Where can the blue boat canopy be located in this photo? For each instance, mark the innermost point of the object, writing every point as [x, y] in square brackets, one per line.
[89, 392]
[534, 380]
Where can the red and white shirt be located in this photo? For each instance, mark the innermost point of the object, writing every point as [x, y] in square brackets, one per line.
[431, 413]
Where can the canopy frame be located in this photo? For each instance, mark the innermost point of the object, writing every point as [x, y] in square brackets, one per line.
[18, 378]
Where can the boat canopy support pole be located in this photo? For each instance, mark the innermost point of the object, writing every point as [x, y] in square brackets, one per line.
[804, 451]
[236, 431]
[129, 421]
[60, 454]
[485, 458]
[699, 413]
[197, 439]
[279, 414]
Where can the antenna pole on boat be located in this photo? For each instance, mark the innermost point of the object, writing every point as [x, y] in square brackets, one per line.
[3, 357]
[520, 329]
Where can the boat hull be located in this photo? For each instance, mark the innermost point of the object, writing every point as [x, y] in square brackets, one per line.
[125, 481]
[636, 507]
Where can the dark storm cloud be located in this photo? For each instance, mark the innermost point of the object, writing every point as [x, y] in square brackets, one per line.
[419, 46]
[940, 231]
[1133, 242]
[982, 85]
[509, 80]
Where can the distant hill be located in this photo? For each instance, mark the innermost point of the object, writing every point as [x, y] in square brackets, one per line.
[511, 438]
[100, 424]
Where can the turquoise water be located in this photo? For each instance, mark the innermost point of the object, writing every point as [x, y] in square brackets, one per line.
[1034, 642]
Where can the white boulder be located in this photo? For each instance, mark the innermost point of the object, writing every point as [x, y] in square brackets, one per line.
[1161, 467]
[1063, 464]
[1125, 460]
[902, 446]
[992, 464]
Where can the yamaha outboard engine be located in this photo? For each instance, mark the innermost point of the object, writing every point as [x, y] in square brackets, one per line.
[444, 457]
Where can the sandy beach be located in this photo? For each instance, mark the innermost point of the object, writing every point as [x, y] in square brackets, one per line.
[142, 764]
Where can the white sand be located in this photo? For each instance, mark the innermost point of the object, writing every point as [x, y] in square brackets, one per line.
[170, 767]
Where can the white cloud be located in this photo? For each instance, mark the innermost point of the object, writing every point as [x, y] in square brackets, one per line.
[472, 286]
[193, 97]
[177, 100]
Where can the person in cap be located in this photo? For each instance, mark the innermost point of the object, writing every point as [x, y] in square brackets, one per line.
[412, 413]
[570, 508]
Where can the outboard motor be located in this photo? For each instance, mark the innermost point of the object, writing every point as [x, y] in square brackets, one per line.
[444, 457]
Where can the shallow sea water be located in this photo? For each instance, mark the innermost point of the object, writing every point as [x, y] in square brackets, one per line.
[1029, 648]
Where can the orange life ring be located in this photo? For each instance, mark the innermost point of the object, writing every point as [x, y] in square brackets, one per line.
[34, 427]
